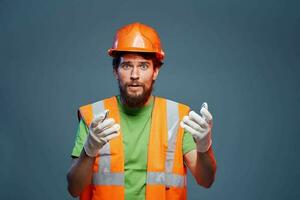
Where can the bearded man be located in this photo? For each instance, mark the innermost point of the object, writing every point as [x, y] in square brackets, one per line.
[135, 145]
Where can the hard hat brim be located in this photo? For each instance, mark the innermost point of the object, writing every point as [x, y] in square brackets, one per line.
[114, 52]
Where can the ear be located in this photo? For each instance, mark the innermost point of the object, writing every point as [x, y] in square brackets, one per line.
[155, 74]
[115, 73]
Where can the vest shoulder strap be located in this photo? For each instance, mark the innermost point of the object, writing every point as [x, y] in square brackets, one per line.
[183, 107]
[89, 111]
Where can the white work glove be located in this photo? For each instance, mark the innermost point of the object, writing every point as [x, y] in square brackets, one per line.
[101, 131]
[200, 127]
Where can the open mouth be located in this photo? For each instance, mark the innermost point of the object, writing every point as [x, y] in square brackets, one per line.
[134, 85]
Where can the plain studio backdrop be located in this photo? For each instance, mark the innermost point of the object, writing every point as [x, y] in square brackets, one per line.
[242, 57]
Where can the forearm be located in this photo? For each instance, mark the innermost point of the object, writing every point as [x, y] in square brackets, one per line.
[80, 174]
[205, 169]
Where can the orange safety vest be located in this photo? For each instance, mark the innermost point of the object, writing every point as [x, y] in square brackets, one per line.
[166, 172]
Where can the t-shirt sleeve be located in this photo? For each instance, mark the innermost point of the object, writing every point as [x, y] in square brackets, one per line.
[81, 135]
[188, 142]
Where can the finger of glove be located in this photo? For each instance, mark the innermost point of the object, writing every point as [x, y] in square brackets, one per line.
[114, 129]
[111, 136]
[107, 123]
[198, 119]
[194, 133]
[206, 114]
[192, 124]
[205, 105]
[99, 118]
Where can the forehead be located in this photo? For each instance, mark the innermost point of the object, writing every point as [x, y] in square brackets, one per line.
[134, 57]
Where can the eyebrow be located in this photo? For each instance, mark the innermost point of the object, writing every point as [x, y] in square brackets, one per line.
[130, 63]
[145, 62]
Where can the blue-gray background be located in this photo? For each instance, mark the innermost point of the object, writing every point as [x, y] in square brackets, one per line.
[242, 57]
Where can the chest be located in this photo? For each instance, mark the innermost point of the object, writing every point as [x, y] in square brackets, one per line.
[135, 134]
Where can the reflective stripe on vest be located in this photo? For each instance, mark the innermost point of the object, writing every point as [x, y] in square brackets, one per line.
[173, 123]
[169, 179]
[161, 171]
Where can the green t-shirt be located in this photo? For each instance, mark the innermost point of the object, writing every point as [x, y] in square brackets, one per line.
[135, 126]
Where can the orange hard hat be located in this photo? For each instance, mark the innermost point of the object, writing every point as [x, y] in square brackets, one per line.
[137, 37]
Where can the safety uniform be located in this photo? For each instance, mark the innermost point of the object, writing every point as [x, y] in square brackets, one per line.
[166, 173]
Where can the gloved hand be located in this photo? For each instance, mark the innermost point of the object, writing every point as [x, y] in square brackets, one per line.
[101, 131]
[200, 127]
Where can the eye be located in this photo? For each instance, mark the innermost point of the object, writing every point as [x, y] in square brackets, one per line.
[125, 66]
[144, 66]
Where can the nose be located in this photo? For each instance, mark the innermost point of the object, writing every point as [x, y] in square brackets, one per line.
[135, 74]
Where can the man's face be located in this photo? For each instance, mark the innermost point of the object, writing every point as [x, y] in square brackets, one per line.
[136, 76]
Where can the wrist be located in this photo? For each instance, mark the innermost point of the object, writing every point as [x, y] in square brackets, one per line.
[84, 155]
[90, 150]
[203, 146]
